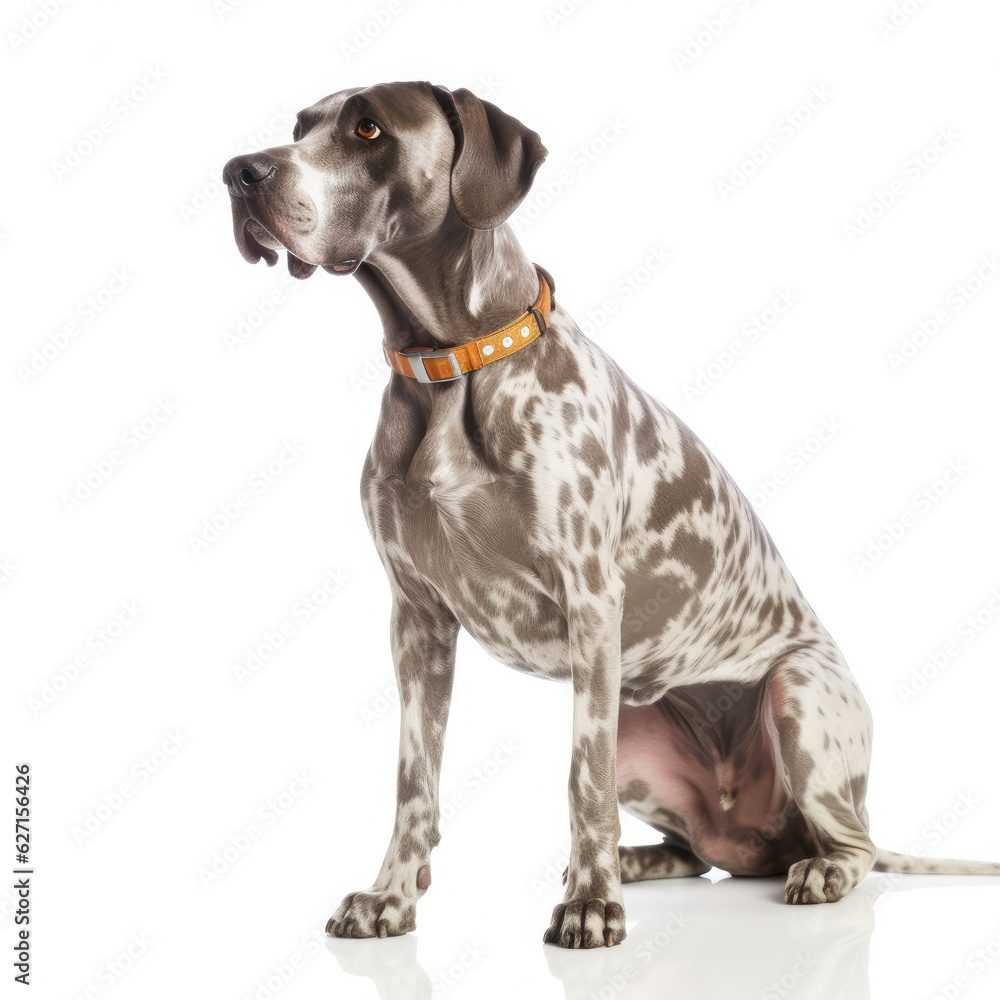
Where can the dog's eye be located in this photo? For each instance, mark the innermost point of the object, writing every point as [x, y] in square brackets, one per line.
[367, 129]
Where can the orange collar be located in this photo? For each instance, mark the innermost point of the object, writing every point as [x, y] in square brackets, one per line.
[450, 363]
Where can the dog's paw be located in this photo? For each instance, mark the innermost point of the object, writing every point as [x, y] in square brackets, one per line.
[587, 922]
[372, 913]
[815, 880]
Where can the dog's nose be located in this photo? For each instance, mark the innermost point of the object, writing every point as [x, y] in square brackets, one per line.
[244, 173]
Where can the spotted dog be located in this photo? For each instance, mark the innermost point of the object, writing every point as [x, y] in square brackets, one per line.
[521, 486]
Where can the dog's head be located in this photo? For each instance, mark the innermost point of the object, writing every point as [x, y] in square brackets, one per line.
[378, 166]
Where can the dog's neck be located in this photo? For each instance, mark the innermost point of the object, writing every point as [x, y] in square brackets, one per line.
[449, 288]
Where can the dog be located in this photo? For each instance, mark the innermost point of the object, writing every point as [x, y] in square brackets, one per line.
[521, 486]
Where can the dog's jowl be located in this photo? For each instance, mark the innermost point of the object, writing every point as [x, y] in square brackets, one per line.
[521, 486]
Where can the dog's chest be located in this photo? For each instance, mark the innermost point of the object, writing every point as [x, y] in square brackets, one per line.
[441, 516]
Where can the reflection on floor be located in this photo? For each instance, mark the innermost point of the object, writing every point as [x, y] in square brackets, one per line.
[716, 937]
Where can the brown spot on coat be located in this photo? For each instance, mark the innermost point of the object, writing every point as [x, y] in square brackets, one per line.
[798, 762]
[694, 551]
[695, 483]
[647, 438]
[556, 367]
[661, 510]
[593, 575]
[635, 791]
[423, 877]
[592, 454]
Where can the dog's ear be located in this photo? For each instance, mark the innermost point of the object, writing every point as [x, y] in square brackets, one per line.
[495, 158]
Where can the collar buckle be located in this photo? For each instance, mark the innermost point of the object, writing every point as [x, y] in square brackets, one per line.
[420, 372]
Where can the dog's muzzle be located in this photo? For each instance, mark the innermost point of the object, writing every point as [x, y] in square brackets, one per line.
[245, 178]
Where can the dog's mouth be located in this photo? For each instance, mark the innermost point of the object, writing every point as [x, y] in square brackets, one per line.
[252, 239]
[348, 266]
[264, 237]
[255, 242]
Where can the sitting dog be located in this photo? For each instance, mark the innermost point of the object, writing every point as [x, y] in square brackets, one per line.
[521, 485]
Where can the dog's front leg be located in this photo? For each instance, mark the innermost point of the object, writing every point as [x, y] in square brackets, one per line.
[424, 635]
[591, 914]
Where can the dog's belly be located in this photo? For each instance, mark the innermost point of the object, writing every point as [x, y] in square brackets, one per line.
[728, 804]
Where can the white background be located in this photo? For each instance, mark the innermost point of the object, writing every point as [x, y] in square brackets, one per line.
[637, 145]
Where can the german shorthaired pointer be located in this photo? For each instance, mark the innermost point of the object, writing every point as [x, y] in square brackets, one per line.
[522, 486]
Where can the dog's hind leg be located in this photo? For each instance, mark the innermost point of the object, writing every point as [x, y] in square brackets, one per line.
[659, 861]
[822, 730]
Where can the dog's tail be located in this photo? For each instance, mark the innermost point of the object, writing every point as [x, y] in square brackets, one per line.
[889, 861]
